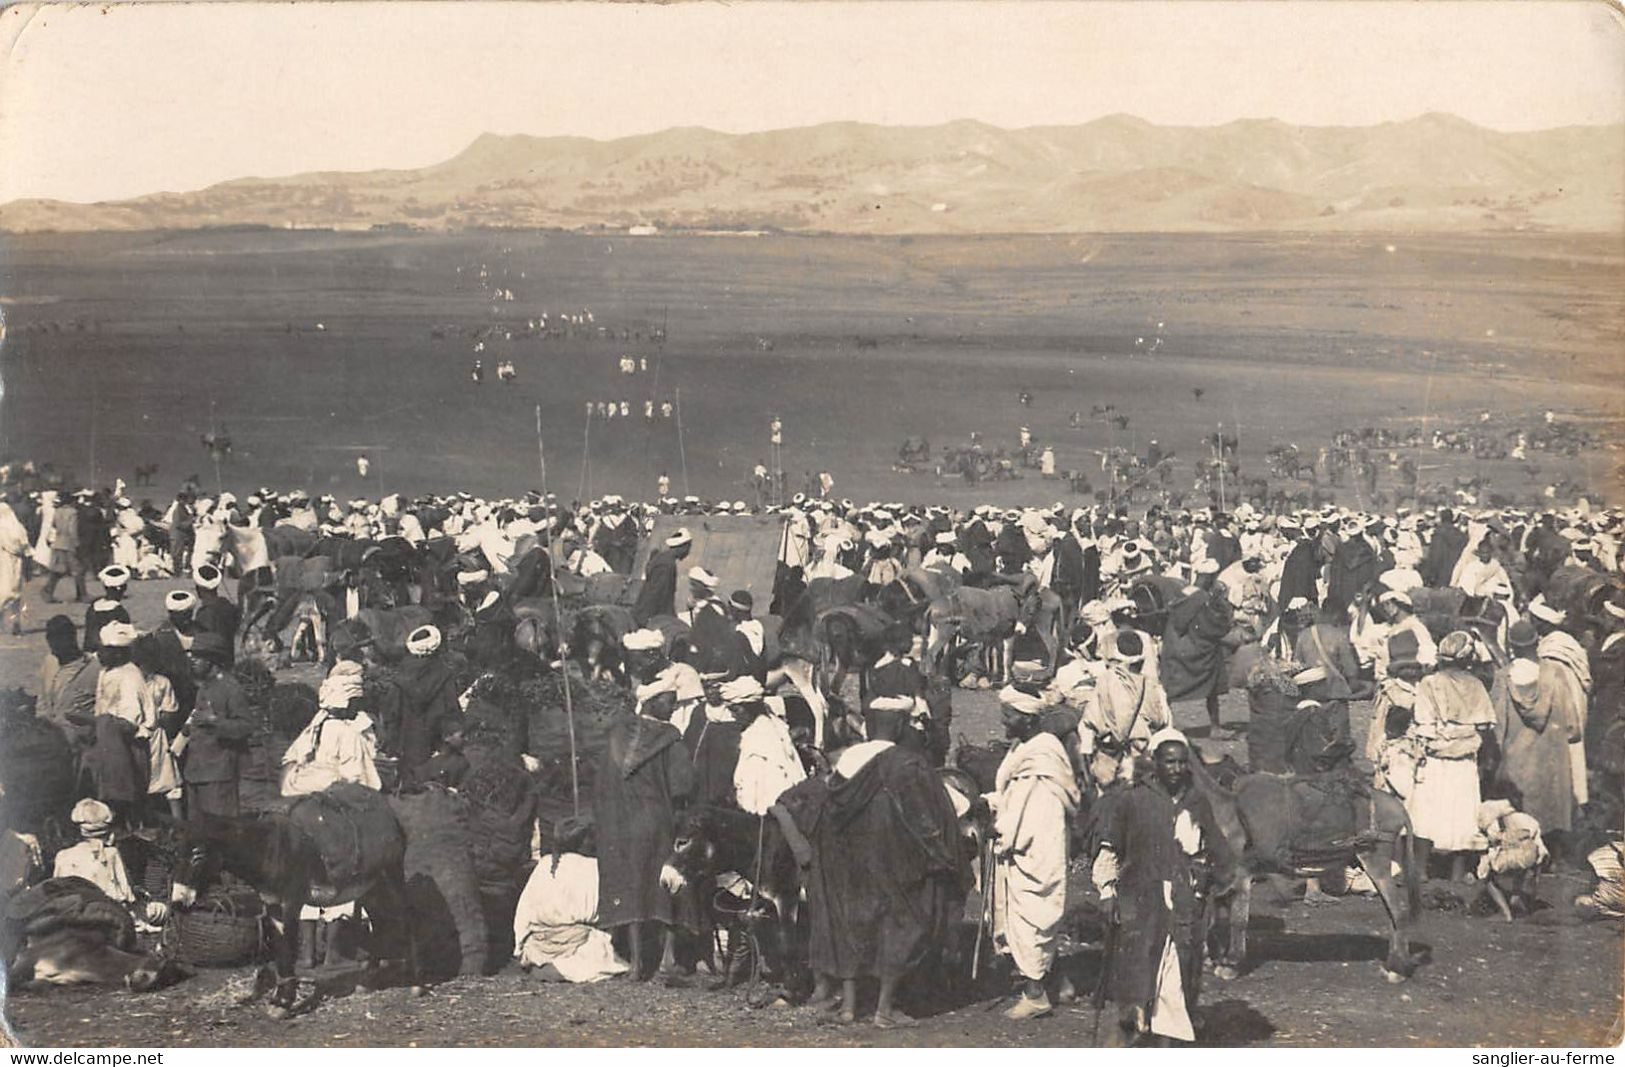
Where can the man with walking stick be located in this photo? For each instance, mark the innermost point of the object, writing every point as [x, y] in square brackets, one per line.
[1157, 843]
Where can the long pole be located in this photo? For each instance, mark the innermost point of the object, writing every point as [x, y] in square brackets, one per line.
[95, 403]
[586, 455]
[681, 453]
[214, 450]
[558, 620]
[1218, 443]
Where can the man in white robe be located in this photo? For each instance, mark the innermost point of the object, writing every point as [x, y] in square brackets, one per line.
[555, 928]
[1035, 795]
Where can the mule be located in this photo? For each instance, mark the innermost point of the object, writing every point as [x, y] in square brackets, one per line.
[339, 846]
[1309, 827]
[988, 619]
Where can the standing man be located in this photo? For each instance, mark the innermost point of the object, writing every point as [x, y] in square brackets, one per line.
[1152, 869]
[1035, 795]
[421, 710]
[63, 539]
[1300, 574]
[214, 613]
[13, 550]
[643, 777]
[658, 595]
[218, 732]
[110, 607]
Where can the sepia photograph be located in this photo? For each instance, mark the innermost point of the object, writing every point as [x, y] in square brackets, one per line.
[826, 524]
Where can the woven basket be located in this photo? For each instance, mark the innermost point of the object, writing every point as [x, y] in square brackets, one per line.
[218, 931]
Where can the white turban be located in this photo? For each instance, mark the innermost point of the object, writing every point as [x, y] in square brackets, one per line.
[681, 537]
[1545, 612]
[118, 635]
[91, 816]
[1017, 701]
[1165, 735]
[472, 577]
[180, 600]
[892, 704]
[741, 690]
[114, 577]
[423, 641]
[207, 576]
[703, 577]
[946, 538]
[643, 641]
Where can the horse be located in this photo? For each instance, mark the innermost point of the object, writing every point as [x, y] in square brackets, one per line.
[334, 847]
[1308, 826]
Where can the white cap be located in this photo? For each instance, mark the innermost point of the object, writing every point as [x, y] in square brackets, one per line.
[1167, 735]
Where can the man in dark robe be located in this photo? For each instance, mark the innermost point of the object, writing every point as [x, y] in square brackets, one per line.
[1011, 546]
[1443, 551]
[896, 674]
[1158, 844]
[658, 595]
[491, 643]
[109, 607]
[977, 545]
[214, 613]
[1355, 566]
[1195, 655]
[1300, 572]
[712, 741]
[711, 624]
[643, 778]
[616, 538]
[747, 650]
[218, 729]
[1069, 576]
[169, 645]
[1223, 547]
[419, 711]
[884, 885]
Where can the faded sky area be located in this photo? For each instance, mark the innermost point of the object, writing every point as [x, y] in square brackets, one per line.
[110, 101]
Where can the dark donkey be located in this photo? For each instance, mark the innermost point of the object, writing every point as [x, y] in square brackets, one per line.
[334, 847]
[1313, 826]
[711, 840]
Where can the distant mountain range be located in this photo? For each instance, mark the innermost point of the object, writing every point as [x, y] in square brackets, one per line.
[1433, 173]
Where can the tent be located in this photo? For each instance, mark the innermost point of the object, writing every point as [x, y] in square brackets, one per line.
[741, 550]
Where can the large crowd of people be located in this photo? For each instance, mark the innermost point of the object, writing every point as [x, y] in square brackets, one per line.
[1488, 644]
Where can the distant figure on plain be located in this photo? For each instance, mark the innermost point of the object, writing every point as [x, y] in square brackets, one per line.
[362, 464]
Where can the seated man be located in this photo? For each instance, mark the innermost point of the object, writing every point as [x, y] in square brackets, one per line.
[96, 859]
[554, 926]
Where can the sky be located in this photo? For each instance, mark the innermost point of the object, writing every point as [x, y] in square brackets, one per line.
[102, 102]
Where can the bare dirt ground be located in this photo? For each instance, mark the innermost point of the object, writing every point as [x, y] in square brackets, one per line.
[1548, 980]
